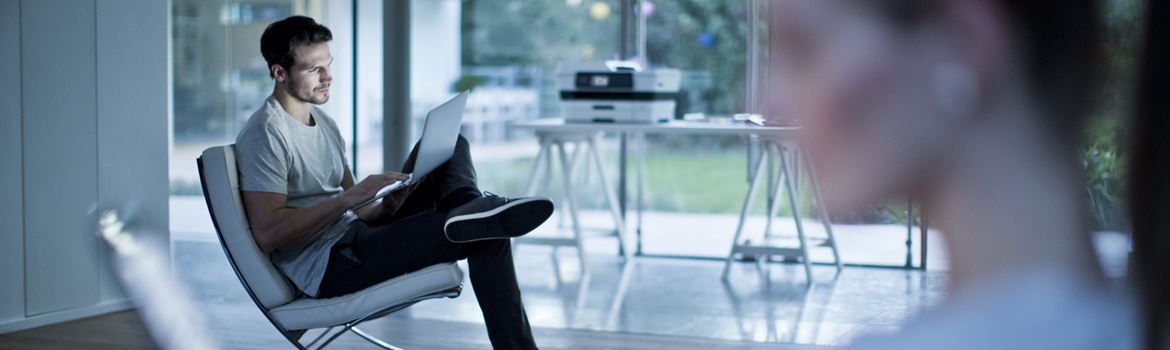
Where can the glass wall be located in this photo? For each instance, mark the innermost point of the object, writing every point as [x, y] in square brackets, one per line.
[509, 52]
[220, 79]
[708, 41]
[368, 103]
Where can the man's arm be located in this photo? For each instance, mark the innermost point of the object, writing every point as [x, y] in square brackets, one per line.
[275, 225]
[347, 179]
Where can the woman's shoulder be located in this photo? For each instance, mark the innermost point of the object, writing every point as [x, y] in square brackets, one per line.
[1031, 311]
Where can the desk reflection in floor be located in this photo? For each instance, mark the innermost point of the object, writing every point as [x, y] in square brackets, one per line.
[687, 298]
[650, 295]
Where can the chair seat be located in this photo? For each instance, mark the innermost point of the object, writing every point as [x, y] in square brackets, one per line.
[307, 313]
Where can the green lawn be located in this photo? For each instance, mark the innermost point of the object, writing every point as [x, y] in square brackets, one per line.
[697, 182]
[679, 179]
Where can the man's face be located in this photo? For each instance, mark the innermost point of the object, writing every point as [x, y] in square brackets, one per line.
[309, 77]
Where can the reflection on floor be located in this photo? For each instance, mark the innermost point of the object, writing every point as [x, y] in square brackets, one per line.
[645, 296]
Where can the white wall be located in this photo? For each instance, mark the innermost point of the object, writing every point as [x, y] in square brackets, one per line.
[133, 115]
[60, 153]
[11, 208]
[89, 124]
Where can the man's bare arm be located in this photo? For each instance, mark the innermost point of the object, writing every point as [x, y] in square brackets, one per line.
[275, 225]
[347, 180]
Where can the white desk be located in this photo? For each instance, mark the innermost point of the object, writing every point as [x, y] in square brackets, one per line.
[558, 125]
[554, 132]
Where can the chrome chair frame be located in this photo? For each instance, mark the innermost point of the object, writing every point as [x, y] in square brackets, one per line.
[293, 336]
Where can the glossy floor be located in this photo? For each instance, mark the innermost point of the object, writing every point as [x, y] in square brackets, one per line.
[646, 296]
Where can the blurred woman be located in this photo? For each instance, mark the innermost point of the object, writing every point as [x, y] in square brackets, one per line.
[976, 108]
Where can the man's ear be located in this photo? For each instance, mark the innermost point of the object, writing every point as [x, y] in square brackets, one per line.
[278, 73]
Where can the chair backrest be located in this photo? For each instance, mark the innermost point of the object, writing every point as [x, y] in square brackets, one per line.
[221, 187]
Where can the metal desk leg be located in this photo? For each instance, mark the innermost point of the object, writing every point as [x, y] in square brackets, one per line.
[535, 175]
[773, 187]
[622, 159]
[641, 185]
[543, 157]
[923, 230]
[548, 166]
[795, 212]
[567, 166]
[610, 196]
[909, 233]
[579, 153]
[774, 181]
[747, 205]
[576, 155]
[821, 209]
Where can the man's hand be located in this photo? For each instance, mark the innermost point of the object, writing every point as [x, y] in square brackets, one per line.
[383, 209]
[370, 186]
[393, 201]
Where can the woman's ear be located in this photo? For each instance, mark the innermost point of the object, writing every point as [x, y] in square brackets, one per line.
[979, 34]
[977, 52]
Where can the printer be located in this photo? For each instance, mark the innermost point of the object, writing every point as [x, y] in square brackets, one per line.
[617, 92]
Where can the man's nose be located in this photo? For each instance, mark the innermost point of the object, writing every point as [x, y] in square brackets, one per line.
[326, 76]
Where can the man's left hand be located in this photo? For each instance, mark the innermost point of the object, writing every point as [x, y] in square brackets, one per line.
[379, 212]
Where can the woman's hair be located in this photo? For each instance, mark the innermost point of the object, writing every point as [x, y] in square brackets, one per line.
[1149, 199]
[1060, 49]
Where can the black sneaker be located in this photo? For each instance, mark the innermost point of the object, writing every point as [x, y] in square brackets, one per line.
[495, 217]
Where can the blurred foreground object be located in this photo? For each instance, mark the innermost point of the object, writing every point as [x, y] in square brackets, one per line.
[161, 300]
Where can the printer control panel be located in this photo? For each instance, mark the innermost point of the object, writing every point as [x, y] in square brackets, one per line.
[605, 80]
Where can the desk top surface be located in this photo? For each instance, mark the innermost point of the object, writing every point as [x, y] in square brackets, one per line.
[674, 126]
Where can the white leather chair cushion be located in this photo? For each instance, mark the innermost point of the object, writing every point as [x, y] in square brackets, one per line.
[223, 192]
[307, 313]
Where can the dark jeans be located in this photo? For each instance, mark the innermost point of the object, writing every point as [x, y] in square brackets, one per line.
[414, 239]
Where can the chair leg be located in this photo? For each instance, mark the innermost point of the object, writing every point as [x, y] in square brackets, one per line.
[333, 337]
[319, 337]
[373, 339]
[294, 337]
[353, 328]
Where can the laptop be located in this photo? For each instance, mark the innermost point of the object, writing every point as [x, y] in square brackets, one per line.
[436, 146]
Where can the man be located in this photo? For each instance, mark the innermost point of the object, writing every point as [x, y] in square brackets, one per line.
[301, 198]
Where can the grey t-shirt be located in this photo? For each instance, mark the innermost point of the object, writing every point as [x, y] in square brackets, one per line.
[276, 153]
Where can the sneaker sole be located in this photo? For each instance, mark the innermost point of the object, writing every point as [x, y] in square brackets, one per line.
[534, 213]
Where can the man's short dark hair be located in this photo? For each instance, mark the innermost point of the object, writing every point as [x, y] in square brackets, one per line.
[279, 39]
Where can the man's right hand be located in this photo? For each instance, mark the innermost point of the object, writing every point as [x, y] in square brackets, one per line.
[368, 187]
